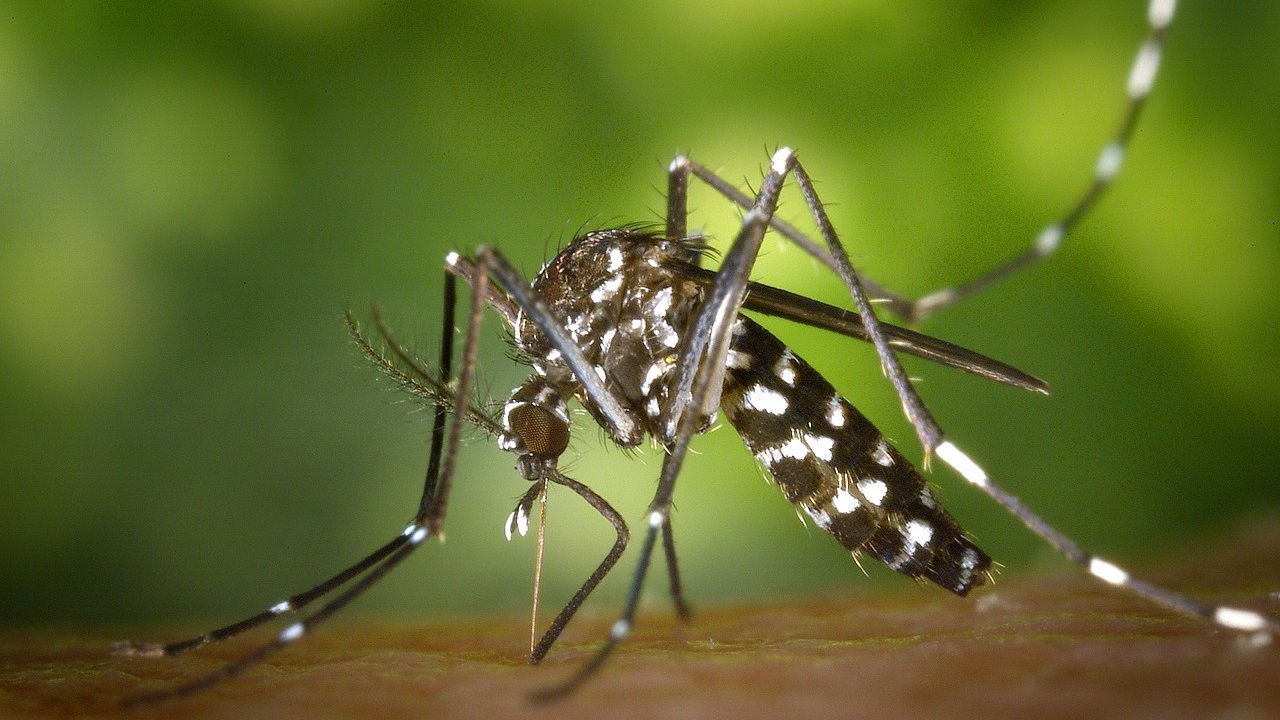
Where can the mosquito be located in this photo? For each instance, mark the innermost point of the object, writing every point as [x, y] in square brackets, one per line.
[628, 324]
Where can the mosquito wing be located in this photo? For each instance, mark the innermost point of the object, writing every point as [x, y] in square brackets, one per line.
[798, 308]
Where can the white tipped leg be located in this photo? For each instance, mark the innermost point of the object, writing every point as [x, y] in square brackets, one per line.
[1242, 620]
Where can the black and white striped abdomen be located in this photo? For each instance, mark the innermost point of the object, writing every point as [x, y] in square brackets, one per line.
[835, 465]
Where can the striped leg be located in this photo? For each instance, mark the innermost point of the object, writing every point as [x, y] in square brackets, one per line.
[1261, 627]
[428, 521]
[1141, 79]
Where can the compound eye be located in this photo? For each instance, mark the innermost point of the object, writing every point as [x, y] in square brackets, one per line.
[543, 433]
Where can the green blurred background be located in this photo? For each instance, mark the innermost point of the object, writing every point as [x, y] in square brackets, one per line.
[190, 195]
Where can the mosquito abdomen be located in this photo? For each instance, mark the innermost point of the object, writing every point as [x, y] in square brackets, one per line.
[835, 465]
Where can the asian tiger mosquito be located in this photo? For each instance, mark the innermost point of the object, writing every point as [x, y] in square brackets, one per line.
[627, 322]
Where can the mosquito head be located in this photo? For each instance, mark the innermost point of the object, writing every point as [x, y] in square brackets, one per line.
[543, 433]
[535, 425]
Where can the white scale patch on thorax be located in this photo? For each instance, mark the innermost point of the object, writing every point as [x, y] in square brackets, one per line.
[656, 370]
[661, 302]
[607, 339]
[607, 289]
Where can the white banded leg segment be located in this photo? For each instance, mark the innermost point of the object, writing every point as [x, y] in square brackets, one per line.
[1049, 239]
[1160, 13]
[1236, 619]
[293, 632]
[656, 518]
[1108, 572]
[1242, 620]
[1143, 74]
[935, 300]
[1232, 618]
[962, 463]
[1139, 82]
[1109, 162]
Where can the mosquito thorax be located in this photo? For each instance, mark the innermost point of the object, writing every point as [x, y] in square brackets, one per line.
[617, 295]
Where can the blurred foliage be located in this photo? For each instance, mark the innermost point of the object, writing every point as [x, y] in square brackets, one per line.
[192, 194]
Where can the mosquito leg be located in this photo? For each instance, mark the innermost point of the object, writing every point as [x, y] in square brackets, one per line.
[293, 604]
[619, 545]
[1142, 76]
[498, 301]
[745, 201]
[290, 633]
[707, 342]
[931, 436]
[621, 627]
[678, 209]
[1261, 627]
[926, 427]
[298, 601]
[435, 507]
[673, 572]
[429, 521]
[678, 198]
[445, 371]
